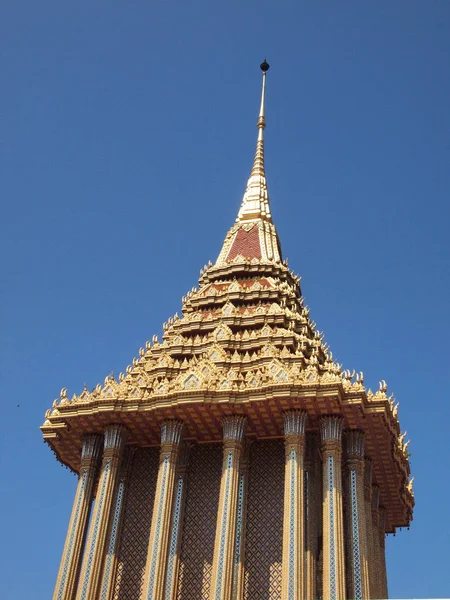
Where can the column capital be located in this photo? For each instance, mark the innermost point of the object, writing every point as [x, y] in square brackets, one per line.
[354, 439]
[92, 446]
[114, 436]
[331, 427]
[171, 431]
[233, 428]
[295, 422]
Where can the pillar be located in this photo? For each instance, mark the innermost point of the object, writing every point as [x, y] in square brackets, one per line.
[293, 587]
[368, 468]
[382, 539]
[109, 567]
[173, 561]
[357, 550]
[157, 557]
[225, 542]
[333, 522]
[241, 518]
[114, 444]
[312, 516]
[73, 547]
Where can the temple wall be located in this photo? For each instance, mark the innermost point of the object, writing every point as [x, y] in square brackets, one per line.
[262, 548]
[136, 525]
[199, 526]
[264, 532]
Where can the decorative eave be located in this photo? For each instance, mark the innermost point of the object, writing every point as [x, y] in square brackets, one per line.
[203, 407]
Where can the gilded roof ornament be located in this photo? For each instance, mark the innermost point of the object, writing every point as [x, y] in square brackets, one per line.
[254, 236]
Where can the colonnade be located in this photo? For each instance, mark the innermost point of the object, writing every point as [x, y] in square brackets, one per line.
[333, 526]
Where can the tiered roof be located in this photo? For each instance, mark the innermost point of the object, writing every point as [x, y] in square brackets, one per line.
[245, 343]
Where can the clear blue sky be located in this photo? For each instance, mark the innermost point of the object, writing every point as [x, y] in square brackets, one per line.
[127, 135]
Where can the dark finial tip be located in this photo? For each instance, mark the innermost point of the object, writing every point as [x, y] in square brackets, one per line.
[264, 66]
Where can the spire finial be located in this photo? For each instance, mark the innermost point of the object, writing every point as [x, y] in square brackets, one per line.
[258, 163]
[254, 235]
[264, 66]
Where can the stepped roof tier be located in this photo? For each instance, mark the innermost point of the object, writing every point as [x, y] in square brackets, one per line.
[244, 344]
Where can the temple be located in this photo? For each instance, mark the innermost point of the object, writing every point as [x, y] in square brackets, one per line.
[234, 459]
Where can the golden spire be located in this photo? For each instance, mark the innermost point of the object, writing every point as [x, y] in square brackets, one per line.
[258, 163]
[255, 203]
[253, 235]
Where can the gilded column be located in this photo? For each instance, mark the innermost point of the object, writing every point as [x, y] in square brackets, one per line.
[293, 587]
[115, 523]
[358, 576]
[241, 518]
[333, 522]
[173, 561]
[114, 444]
[382, 538]
[311, 516]
[165, 496]
[73, 547]
[225, 543]
[368, 468]
[376, 591]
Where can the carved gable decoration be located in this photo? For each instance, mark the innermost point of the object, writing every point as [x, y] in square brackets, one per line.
[164, 361]
[191, 382]
[216, 353]
[266, 330]
[270, 350]
[224, 384]
[228, 309]
[222, 332]
[234, 287]
[162, 387]
[275, 309]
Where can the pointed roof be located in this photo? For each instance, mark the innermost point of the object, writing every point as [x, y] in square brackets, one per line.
[245, 343]
[253, 236]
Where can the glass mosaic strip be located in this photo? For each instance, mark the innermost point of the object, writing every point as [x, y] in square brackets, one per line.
[331, 485]
[237, 548]
[174, 539]
[292, 552]
[112, 540]
[357, 584]
[162, 493]
[223, 527]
